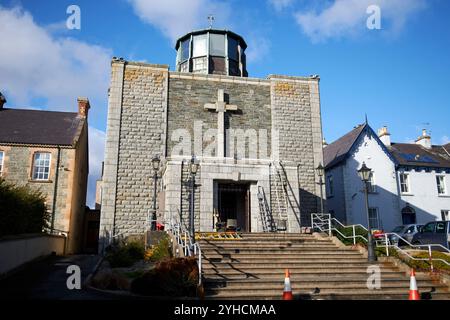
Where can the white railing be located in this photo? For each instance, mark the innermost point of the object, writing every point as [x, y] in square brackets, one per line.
[387, 245]
[185, 241]
[323, 222]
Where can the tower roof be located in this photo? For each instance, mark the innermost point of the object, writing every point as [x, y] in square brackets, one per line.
[216, 31]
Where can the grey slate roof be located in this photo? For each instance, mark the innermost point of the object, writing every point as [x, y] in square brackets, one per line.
[409, 154]
[21, 126]
[405, 154]
[335, 152]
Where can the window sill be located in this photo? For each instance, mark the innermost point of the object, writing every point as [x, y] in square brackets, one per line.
[407, 194]
[40, 181]
[443, 196]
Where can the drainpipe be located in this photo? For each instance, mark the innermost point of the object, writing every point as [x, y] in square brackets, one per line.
[55, 189]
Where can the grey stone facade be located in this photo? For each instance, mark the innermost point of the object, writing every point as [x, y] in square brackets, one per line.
[156, 112]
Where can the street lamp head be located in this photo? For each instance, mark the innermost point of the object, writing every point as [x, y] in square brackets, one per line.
[364, 172]
[155, 163]
[320, 170]
[193, 166]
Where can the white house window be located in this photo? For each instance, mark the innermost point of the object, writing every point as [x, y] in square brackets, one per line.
[371, 184]
[374, 218]
[330, 186]
[404, 183]
[41, 166]
[442, 190]
[2, 156]
[445, 215]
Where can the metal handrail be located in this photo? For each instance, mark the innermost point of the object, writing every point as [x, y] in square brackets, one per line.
[325, 220]
[430, 258]
[189, 247]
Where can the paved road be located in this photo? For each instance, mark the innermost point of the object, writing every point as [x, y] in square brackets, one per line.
[46, 279]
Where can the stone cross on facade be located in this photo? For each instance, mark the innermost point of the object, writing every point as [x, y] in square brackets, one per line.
[220, 106]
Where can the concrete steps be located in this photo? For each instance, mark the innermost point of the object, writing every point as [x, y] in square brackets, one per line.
[253, 268]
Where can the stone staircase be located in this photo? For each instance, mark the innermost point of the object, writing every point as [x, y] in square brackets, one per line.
[253, 268]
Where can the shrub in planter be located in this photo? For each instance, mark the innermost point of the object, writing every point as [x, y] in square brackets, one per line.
[125, 255]
[176, 277]
[160, 251]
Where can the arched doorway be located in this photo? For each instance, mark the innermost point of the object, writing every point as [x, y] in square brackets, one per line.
[408, 215]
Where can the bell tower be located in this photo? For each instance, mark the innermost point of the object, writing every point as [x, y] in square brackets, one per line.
[212, 51]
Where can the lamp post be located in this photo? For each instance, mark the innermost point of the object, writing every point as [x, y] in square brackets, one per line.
[193, 168]
[155, 165]
[320, 170]
[364, 174]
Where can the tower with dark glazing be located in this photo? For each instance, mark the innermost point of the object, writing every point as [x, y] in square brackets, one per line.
[212, 51]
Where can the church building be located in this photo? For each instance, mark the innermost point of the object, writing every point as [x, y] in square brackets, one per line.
[255, 143]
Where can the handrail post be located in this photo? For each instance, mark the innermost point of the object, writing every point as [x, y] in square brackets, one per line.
[329, 225]
[354, 235]
[386, 243]
[199, 266]
[431, 259]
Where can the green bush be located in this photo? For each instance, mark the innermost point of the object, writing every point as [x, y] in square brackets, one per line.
[125, 255]
[22, 210]
[348, 232]
[160, 251]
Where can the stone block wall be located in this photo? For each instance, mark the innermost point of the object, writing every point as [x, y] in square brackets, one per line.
[297, 122]
[137, 126]
[189, 94]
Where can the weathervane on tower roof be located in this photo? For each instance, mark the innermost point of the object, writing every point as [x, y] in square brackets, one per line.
[210, 20]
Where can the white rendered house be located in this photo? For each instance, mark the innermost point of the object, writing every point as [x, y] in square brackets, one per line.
[410, 182]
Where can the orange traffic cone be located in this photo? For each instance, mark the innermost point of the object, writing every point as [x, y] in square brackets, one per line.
[413, 291]
[287, 293]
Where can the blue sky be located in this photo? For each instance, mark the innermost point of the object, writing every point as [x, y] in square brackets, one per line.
[397, 75]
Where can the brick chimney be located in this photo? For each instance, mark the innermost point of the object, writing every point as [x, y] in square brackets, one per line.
[83, 107]
[424, 140]
[384, 136]
[2, 100]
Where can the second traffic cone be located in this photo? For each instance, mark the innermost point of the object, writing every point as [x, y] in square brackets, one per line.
[413, 291]
[287, 292]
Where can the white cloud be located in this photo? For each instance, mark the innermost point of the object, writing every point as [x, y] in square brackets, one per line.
[96, 154]
[345, 18]
[445, 140]
[258, 48]
[177, 17]
[36, 65]
[280, 4]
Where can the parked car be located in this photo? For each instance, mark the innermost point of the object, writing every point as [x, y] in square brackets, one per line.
[436, 232]
[406, 231]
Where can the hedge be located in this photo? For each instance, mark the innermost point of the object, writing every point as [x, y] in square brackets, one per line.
[22, 210]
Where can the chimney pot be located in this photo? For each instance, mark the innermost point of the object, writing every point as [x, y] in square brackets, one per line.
[424, 140]
[83, 107]
[384, 136]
